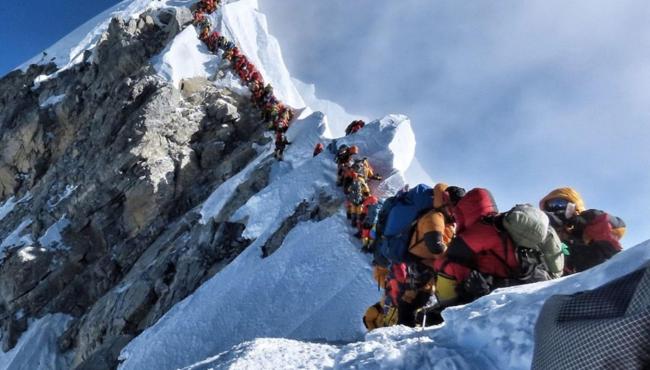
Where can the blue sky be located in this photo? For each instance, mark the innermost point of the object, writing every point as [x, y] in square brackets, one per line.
[28, 27]
[518, 97]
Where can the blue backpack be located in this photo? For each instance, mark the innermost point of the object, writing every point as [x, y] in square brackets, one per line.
[405, 210]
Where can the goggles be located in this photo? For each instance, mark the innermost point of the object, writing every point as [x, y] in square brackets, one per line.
[556, 204]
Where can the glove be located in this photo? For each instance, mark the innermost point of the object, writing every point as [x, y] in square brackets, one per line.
[477, 284]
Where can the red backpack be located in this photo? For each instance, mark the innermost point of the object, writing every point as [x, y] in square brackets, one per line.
[601, 226]
[475, 205]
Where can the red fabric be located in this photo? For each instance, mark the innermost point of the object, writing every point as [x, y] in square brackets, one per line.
[451, 269]
[476, 204]
[600, 229]
[486, 242]
[318, 149]
[400, 272]
[370, 201]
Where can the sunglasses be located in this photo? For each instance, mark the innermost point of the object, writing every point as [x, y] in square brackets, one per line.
[556, 204]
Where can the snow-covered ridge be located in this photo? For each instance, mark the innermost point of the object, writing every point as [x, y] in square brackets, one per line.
[494, 332]
[70, 49]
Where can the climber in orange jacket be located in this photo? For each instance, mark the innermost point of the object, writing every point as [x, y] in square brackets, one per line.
[318, 149]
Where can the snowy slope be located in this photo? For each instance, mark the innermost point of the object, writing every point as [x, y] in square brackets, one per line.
[494, 332]
[37, 347]
[312, 288]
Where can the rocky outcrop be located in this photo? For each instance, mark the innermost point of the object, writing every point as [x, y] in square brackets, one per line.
[115, 160]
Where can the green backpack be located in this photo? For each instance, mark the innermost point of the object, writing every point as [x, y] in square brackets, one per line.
[529, 227]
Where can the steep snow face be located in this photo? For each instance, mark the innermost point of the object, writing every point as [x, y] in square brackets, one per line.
[37, 348]
[314, 287]
[494, 332]
[185, 57]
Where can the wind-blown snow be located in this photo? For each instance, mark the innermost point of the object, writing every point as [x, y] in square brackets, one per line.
[494, 332]
[37, 348]
[185, 57]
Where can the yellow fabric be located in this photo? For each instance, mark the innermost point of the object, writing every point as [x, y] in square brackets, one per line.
[446, 289]
[391, 317]
[618, 233]
[438, 199]
[449, 234]
[368, 172]
[431, 221]
[365, 190]
[373, 318]
[380, 274]
[565, 193]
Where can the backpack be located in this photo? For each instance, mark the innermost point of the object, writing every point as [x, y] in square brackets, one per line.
[597, 225]
[400, 219]
[372, 215]
[357, 191]
[535, 239]
[474, 206]
[340, 152]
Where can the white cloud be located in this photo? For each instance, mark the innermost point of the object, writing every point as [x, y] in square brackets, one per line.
[519, 97]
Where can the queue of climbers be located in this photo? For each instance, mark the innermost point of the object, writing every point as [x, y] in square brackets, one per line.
[277, 115]
[441, 246]
[455, 246]
[444, 246]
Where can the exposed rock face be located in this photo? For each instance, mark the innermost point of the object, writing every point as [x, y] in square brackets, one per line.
[119, 160]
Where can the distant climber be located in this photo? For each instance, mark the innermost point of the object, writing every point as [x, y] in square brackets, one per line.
[368, 220]
[354, 127]
[343, 158]
[318, 149]
[281, 143]
[357, 192]
[363, 168]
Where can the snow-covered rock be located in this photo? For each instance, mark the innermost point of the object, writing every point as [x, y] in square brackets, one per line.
[52, 100]
[185, 57]
[70, 50]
